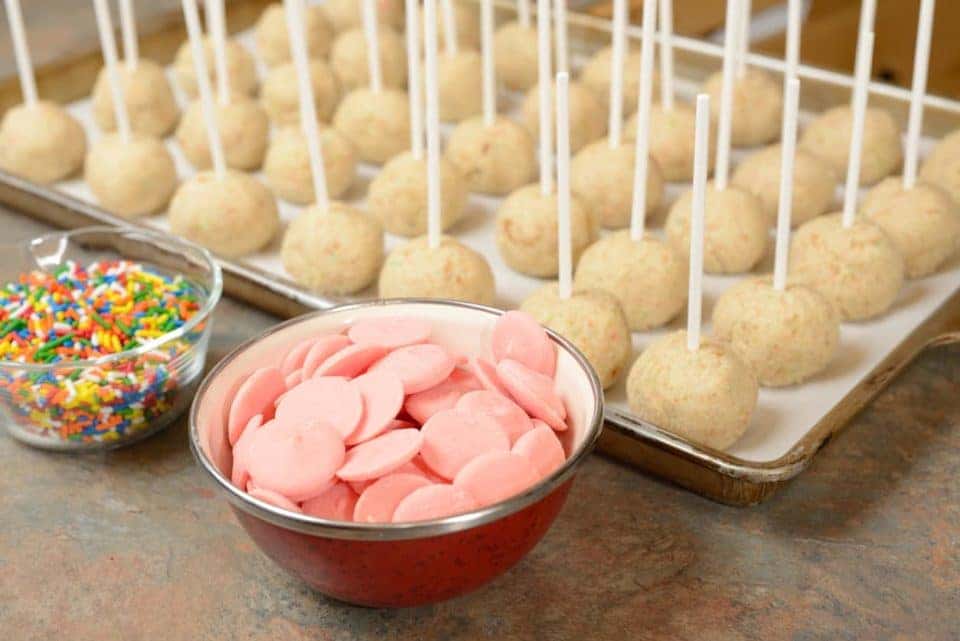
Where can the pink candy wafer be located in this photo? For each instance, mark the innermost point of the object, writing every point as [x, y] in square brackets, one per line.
[293, 379]
[390, 332]
[518, 336]
[273, 498]
[255, 396]
[351, 361]
[496, 476]
[380, 499]
[508, 415]
[332, 400]
[542, 448]
[294, 358]
[321, 350]
[336, 503]
[240, 474]
[382, 394]
[420, 367]
[533, 392]
[452, 438]
[434, 502]
[486, 373]
[422, 405]
[381, 455]
[298, 463]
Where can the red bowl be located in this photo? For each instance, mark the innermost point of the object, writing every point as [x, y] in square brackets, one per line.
[396, 565]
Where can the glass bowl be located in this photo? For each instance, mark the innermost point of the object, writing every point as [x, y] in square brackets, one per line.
[396, 564]
[117, 399]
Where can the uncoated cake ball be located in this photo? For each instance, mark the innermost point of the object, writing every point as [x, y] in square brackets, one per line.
[596, 76]
[41, 142]
[757, 106]
[526, 227]
[460, 85]
[348, 14]
[131, 177]
[496, 159]
[377, 124]
[592, 320]
[286, 168]
[151, 106]
[829, 138]
[706, 395]
[603, 176]
[588, 120]
[784, 336]
[452, 270]
[671, 137]
[241, 69]
[515, 51]
[273, 41]
[348, 59]
[280, 95]
[244, 129]
[943, 170]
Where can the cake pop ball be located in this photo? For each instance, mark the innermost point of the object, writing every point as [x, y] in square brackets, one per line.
[348, 14]
[41, 142]
[280, 95]
[592, 320]
[286, 167]
[923, 222]
[947, 149]
[706, 395]
[757, 106]
[858, 269]
[943, 170]
[348, 59]
[467, 19]
[273, 41]
[244, 130]
[459, 84]
[735, 229]
[829, 138]
[785, 336]
[452, 270]
[596, 77]
[231, 215]
[515, 52]
[397, 196]
[150, 103]
[602, 176]
[132, 177]
[495, 159]
[241, 68]
[671, 140]
[336, 251]
[814, 183]
[526, 230]
[648, 277]
[377, 124]
[588, 120]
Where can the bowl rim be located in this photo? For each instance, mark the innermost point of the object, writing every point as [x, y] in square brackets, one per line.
[153, 237]
[350, 530]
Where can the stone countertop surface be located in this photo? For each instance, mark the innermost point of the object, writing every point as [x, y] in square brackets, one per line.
[135, 545]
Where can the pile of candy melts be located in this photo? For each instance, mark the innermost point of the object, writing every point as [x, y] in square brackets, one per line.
[75, 313]
[379, 425]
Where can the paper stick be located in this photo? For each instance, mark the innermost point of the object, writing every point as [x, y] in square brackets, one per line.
[523, 13]
[642, 143]
[308, 108]
[195, 36]
[666, 54]
[743, 37]
[371, 31]
[564, 249]
[415, 82]
[450, 37]
[868, 12]
[726, 95]
[217, 28]
[560, 26]
[28, 84]
[788, 148]
[545, 81]
[109, 47]
[128, 26]
[489, 71]
[697, 215]
[860, 95]
[921, 60]
[793, 39]
[615, 126]
[433, 127]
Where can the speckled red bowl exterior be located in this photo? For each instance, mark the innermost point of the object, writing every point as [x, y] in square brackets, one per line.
[407, 564]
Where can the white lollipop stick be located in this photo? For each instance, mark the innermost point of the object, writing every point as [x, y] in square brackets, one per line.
[489, 71]
[697, 214]
[743, 37]
[523, 13]
[785, 206]
[615, 125]
[726, 95]
[868, 12]
[860, 94]
[128, 26]
[109, 47]
[195, 36]
[450, 36]
[564, 249]
[415, 88]
[371, 31]
[642, 146]
[433, 127]
[308, 108]
[28, 84]
[666, 54]
[544, 79]
[217, 28]
[921, 60]
[793, 39]
[560, 26]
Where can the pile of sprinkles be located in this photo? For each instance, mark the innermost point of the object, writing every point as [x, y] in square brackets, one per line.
[76, 313]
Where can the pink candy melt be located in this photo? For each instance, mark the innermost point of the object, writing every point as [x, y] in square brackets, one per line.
[486, 373]
[255, 396]
[382, 395]
[533, 392]
[333, 400]
[294, 358]
[508, 415]
[452, 438]
[277, 500]
[381, 455]
[496, 476]
[422, 405]
[380, 499]
[390, 332]
[420, 367]
[542, 448]
[519, 337]
[335, 504]
[298, 463]
[351, 361]
[434, 502]
[321, 350]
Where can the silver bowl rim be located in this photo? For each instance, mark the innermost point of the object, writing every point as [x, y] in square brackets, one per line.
[394, 531]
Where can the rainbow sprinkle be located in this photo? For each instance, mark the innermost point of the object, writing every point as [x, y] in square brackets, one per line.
[76, 313]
